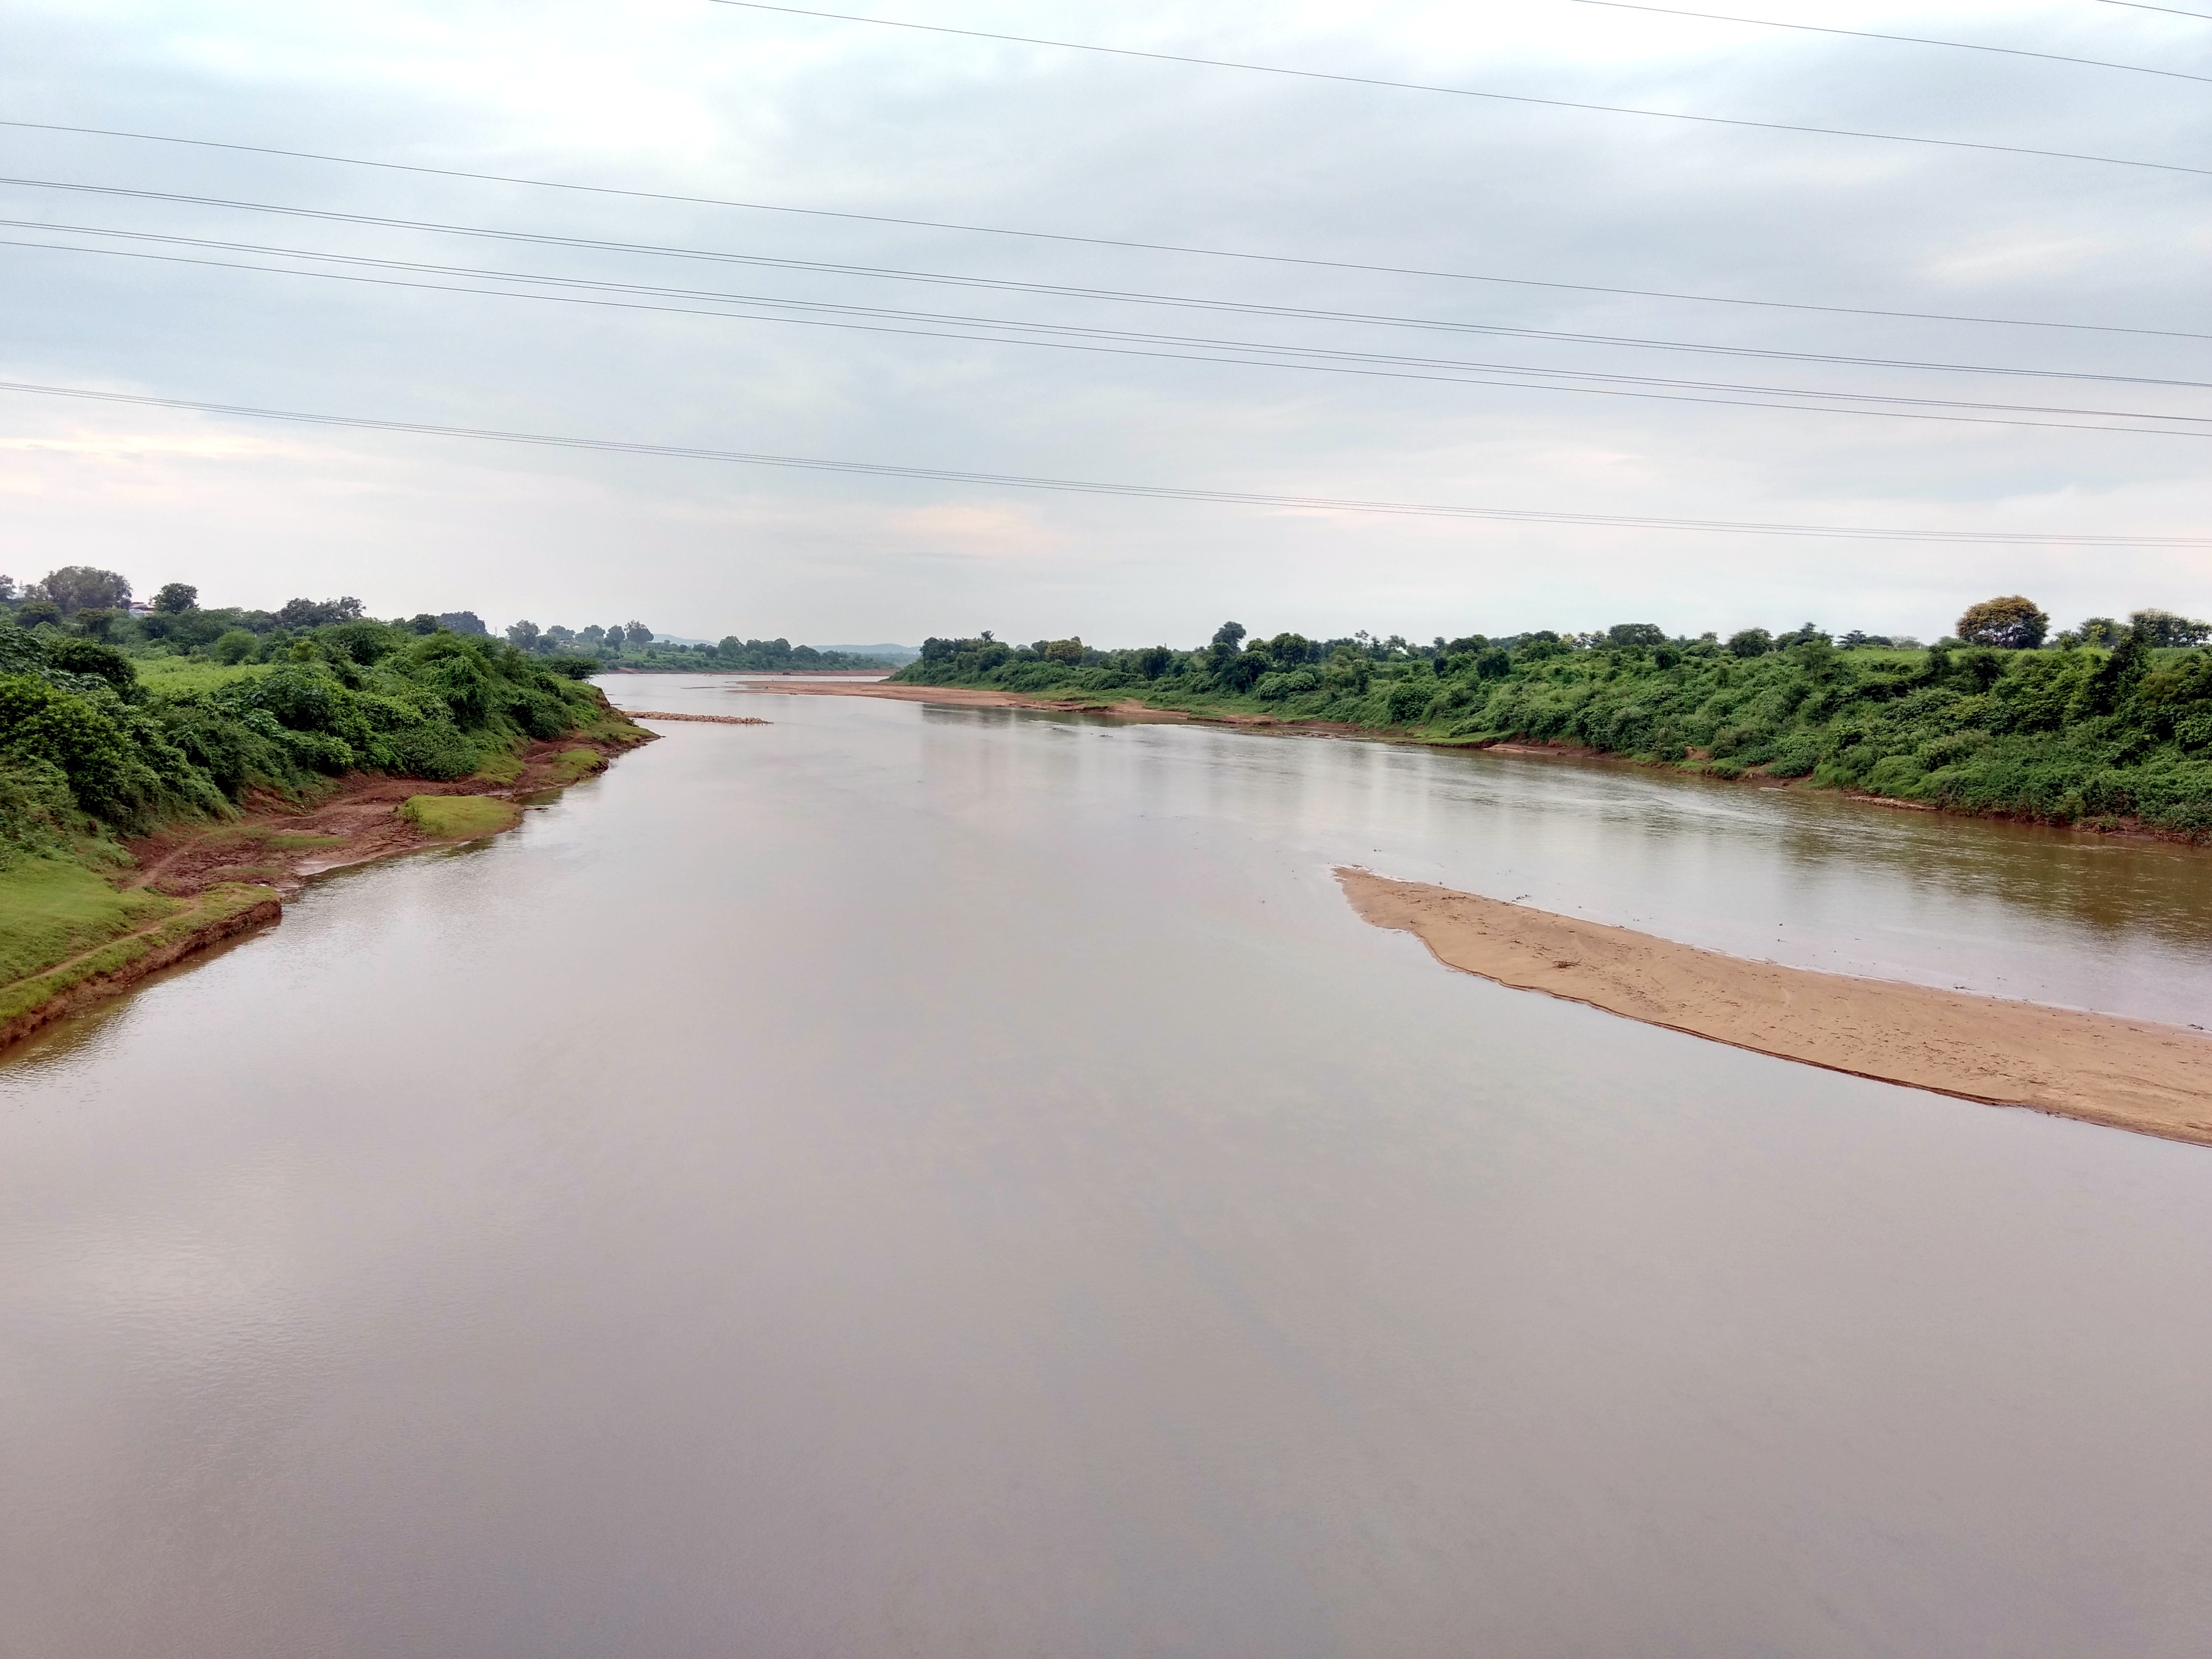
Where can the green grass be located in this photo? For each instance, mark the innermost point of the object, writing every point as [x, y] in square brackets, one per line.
[50, 910]
[571, 764]
[185, 917]
[175, 677]
[499, 770]
[460, 818]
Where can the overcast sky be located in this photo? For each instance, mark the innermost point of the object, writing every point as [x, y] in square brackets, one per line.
[693, 99]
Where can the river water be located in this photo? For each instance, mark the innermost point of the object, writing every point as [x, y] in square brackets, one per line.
[921, 1180]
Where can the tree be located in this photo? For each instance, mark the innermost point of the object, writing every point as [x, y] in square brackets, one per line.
[593, 634]
[97, 625]
[640, 634]
[1227, 638]
[1750, 643]
[523, 636]
[75, 587]
[7, 590]
[176, 598]
[560, 638]
[2009, 624]
[2162, 627]
[320, 613]
[1621, 635]
[1062, 650]
[37, 609]
[462, 622]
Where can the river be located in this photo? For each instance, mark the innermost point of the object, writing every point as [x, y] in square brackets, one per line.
[907, 1179]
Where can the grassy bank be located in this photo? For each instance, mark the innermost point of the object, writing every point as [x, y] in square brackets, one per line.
[103, 749]
[2104, 735]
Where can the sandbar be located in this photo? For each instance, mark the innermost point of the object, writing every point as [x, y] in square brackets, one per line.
[2101, 1068]
[709, 720]
[961, 696]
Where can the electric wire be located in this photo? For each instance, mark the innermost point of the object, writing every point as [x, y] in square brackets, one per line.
[1498, 97]
[1052, 291]
[1047, 235]
[1305, 359]
[2137, 5]
[1158, 492]
[1908, 40]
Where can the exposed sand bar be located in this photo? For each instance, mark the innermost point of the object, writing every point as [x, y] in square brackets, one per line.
[961, 696]
[709, 720]
[2127, 1073]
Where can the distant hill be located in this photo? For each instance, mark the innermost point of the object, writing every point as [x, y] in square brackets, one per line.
[888, 652]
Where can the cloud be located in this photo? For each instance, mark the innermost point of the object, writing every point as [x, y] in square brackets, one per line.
[707, 102]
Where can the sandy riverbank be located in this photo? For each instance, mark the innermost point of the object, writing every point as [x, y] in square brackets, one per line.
[2126, 1073]
[975, 697]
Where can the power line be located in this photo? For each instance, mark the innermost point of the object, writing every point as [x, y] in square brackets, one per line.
[1908, 40]
[1002, 285]
[1498, 97]
[1042, 235]
[2136, 5]
[1158, 492]
[1237, 353]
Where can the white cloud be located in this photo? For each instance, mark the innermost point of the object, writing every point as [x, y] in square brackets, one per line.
[711, 101]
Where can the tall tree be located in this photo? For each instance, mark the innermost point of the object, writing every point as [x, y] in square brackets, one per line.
[75, 587]
[2010, 623]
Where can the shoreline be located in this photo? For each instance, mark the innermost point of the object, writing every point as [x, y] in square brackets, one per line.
[2104, 1069]
[237, 875]
[1270, 725]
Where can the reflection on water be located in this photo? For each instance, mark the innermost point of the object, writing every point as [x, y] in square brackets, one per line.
[920, 1181]
[1790, 875]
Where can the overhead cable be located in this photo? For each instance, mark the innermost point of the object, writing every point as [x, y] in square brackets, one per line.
[1907, 40]
[1156, 492]
[1044, 235]
[1257, 354]
[1496, 97]
[1297, 314]
[2170, 11]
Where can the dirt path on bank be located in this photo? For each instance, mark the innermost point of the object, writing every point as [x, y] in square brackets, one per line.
[2126, 1073]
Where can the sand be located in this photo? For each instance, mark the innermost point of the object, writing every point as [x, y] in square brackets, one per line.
[710, 720]
[975, 697]
[2125, 1074]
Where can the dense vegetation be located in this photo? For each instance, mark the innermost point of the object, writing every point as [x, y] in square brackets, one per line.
[632, 644]
[88, 744]
[96, 604]
[2112, 722]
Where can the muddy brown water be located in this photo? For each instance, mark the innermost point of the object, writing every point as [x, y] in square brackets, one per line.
[928, 1181]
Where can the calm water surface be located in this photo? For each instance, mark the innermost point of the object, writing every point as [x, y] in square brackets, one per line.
[915, 1181]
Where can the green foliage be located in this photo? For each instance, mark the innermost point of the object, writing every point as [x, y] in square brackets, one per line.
[459, 818]
[2062, 736]
[2011, 623]
[81, 732]
[55, 907]
[75, 587]
[38, 816]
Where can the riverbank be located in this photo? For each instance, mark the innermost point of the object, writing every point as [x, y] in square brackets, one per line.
[79, 932]
[2116, 736]
[1216, 712]
[2123, 1073]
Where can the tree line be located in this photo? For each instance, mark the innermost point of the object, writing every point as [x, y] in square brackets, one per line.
[2105, 721]
[97, 605]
